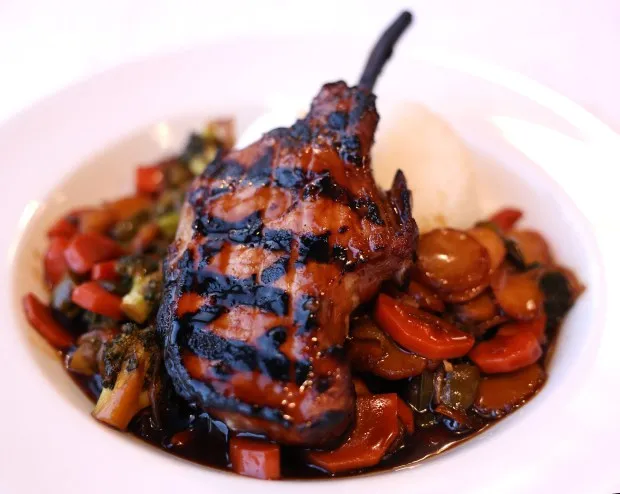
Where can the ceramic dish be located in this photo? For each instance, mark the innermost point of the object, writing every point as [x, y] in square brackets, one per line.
[530, 147]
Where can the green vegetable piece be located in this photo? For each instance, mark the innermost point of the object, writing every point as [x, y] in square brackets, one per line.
[141, 299]
[131, 367]
[198, 163]
[168, 224]
[420, 392]
[459, 386]
[195, 145]
[176, 174]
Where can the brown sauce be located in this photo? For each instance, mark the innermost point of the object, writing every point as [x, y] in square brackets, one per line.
[206, 443]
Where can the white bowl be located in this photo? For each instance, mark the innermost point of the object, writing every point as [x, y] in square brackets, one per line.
[534, 149]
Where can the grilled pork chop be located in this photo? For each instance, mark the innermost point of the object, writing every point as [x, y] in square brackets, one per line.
[278, 243]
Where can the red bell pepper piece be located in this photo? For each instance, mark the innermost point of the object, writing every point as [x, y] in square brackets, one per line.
[54, 262]
[149, 179]
[40, 318]
[62, 228]
[255, 458]
[87, 249]
[93, 297]
[104, 271]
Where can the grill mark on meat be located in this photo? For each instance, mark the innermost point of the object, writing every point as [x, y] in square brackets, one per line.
[259, 174]
[245, 231]
[324, 185]
[323, 383]
[275, 271]
[234, 355]
[278, 240]
[350, 150]
[228, 291]
[313, 247]
[340, 255]
[289, 178]
[305, 314]
[302, 371]
[273, 337]
[337, 120]
[369, 209]
[224, 169]
[312, 184]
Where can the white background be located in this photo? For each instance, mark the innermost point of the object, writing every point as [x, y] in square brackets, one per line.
[570, 45]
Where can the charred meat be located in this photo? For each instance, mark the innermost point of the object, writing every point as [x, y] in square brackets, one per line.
[277, 244]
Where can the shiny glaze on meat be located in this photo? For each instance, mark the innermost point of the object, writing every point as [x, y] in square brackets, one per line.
[278, 244]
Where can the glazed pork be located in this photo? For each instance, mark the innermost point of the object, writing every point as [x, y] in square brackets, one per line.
[278, 244]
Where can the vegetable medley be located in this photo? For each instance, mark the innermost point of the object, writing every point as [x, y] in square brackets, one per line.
[460, 344]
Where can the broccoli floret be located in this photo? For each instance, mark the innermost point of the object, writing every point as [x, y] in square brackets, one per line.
[131, 368]
[144, 294]
[194, 146]
[168, 224]
[136, 264]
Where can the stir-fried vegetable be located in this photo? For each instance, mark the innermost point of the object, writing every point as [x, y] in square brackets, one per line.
[518, 294]
[145, 292]
[458, 386]
[533, 247]
[149, 179]
[145, 236]
[371, 350]
[128, 207]
[492, 242]
[93, 297]
[506, 352]
[499, 395]
[405, 415]
[88, 359]
[61, 298]
[506, 218]
[376, 428]
[54, 263]
[420, 391]
[425, 298]
[421, 332]
[104, 271]
[453, 263]
[168, 224]
[459, 336]
[40, 318]
[87, 249]
[255, 458]
[559, 294]
[131, 365]
[96, 220]
[64, 227]
[477, 310]
[536, 327]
